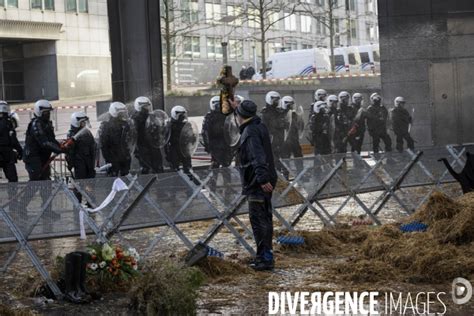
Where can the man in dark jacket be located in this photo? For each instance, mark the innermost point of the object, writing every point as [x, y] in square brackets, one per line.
[40, 142]
[401, 121]
[377, 116]
[343, 118]
[276, 120]
[357, 131]
[259, 178]
[10, 148]
[80, 156]
[114, 140]
[319, 122]
[149, 156]
[213, 136]
[292, 144]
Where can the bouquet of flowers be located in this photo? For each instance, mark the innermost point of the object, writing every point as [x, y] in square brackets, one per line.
[112, 263]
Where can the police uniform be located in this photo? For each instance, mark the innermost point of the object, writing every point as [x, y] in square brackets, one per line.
[214, 142]
[10, 148]
[113, 137]
[40, 143]
[377, 125]
[149, 157]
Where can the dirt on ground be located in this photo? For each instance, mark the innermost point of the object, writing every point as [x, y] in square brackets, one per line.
[342, 258]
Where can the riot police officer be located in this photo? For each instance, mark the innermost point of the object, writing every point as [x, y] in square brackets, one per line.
[292, 144]
[114, 140]
[320, 95]
[401, 121]
[343, 119]
[80, 155]
[320, 129]
[332, 101]
[40, 142]
[213, 135]
[148, 156]
[356, 133]
[275, 118]
[377, 116]
[10, 148]
[173, 151]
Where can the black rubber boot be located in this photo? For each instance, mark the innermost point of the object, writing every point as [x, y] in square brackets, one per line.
[69, 277]
[77, 258]
[82, 289]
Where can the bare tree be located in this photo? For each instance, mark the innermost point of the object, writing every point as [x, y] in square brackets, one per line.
[263, 13]
[327, 17]
[177, 21]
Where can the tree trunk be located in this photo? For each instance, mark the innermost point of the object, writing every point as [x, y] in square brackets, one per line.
[262, 40]
[168, 47]
[331, 37]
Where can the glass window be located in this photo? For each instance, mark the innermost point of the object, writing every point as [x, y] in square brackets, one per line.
[274, 48]
[291, 46]
[172, 46]
[269, 65]
[42, 4]
[12, 3]
[192, 49]
[36, 4]
[306, 46]
[253, 17]
[213, 13]
[211, 47]
[364, 58]
[290, 23]
[376, 56]
[352, 59]
[318, 27]
[305, 24]
[339, 60]
[353, 28]
[49, 5]
[236, 11]
[71, 6]
[2, 3]
[214, 47]
[273, 18]
[83, 6]
[191, 13]
[236, 49]
[352, 5]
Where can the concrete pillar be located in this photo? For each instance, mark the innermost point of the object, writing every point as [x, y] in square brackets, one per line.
[135, 44]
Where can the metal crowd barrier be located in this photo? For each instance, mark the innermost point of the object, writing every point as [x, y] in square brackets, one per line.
[50, 209]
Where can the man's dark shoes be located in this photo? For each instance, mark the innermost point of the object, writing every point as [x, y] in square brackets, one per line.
[262, 265]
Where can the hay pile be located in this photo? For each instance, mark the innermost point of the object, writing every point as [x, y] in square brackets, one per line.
[442, 253]
[336, 241]
[217, 268]
[450, 221]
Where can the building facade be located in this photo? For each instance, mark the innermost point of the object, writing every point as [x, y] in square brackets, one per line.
[197, 52]
[54, 49]
[427, 53]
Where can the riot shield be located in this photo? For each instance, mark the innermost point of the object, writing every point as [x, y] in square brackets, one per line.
[231, 130]
[298, 120]
[157, 128]
[189, 139]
